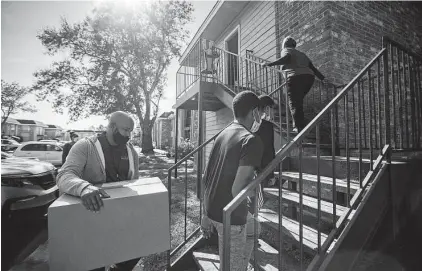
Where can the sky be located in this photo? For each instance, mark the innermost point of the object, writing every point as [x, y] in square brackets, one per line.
[22, 52]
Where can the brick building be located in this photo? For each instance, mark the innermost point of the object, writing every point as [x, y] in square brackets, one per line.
[339, 37]
[162, 132]
[371, 52]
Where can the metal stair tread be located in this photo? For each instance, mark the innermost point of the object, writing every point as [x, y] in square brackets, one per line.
[267, 257]
[290, 227]
[311, 202]
[208, 259]
[340, 183]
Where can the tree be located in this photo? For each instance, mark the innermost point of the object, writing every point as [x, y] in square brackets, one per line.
[12, 100]
[100, 127]
[116, 60]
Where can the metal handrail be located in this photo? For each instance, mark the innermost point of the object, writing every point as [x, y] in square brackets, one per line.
[404, 48]
[200, 147]
[281, 154]
[266, 60]
[385, 154]
[169, 180]
[250, 60]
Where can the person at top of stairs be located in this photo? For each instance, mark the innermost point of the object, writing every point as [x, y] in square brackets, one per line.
[235, 156]
[300, 76]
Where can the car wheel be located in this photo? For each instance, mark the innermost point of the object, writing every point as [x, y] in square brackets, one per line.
[6, 214]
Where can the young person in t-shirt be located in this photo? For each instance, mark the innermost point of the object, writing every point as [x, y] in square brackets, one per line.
[235, 156]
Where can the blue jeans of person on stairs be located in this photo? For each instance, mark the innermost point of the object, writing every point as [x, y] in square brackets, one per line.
[123, 266]
[241, 245]
[297, 88]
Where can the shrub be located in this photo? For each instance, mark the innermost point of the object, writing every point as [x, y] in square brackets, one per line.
[184, 147]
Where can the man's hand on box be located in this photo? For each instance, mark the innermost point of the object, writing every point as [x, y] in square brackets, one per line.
[92, 198]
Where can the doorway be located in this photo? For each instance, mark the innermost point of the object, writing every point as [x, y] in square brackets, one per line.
[232, 62]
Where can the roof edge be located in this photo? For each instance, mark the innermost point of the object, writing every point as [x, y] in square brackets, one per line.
[201, 29]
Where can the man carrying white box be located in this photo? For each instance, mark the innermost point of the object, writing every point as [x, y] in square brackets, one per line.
[101, 159]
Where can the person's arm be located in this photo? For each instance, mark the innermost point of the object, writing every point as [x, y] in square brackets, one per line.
[251, 155]
[284, 59]
[244, 176]
[69, 177]
[316, 71]
[136, 163]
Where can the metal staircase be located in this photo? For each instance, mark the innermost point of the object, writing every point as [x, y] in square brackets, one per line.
[306, 220]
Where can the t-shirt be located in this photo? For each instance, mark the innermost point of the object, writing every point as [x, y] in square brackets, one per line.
[235, 146]
[66, 150]
[116, 160]
[266, 133]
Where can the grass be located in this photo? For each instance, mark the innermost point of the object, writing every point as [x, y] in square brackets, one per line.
[184, 184]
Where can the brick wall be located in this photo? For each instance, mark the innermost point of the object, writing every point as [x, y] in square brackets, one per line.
[341, 38]
[357, 29]
[166, 128]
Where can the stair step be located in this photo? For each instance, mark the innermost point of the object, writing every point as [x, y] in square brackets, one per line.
[290, 229]
[341, 185]
[326, 164]
[313, 145]
[310, 204]
[267, 257]
[208, 259]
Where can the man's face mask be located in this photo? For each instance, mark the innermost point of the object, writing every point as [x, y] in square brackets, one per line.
[256, 121]
[266, 115]
[119, 138]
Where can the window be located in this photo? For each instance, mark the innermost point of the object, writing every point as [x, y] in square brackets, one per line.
[40, 131]
[34, 147]
[188, 118]
[26, 128]
[51, 147]
[187, 133]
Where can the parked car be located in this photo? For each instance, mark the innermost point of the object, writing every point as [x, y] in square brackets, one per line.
[26, 185]
[45, 151]
[60, 143]
[9, 144]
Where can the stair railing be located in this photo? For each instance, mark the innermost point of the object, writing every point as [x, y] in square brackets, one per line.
[240, 73]
[183, 170]
[405, 80]
[346, 121]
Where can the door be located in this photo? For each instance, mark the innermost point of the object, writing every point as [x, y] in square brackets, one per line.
[32, 150]
[232, 45]
[53, 154]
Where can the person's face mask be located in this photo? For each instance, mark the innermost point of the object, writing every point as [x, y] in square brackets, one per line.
[119, 138]
[266, 114]
[256, 121]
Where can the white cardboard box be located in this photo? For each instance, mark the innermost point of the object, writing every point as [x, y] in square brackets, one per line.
[133, 223]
